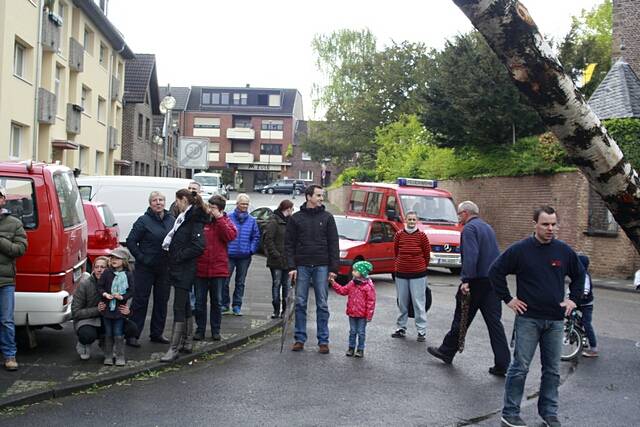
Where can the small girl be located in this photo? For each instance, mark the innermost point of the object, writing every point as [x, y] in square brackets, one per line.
[116, 287]
[360, 305]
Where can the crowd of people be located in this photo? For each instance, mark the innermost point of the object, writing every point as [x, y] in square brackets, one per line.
[195, 248]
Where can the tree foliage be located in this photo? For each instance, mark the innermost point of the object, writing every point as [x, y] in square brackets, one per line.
[470, 100]
[626, 133]
[589, 42]
[402, 148]
[365, 88]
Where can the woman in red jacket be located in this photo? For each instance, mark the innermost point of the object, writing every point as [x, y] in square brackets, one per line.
[213, 268]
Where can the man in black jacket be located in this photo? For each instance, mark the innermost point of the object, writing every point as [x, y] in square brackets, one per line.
[145, 244]
[312, 251]
[479, 248]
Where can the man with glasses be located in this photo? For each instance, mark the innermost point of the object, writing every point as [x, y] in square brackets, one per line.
[479, 248]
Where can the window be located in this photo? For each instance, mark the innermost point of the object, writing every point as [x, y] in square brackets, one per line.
[102, 109]
[99, 165]
[206, 98]
[57, 88]
[61, 12]
[84, 159]
[272, 149]
[274, 100]
[373, 203]
[306, 175]
[356, 204]
[140, 125]
[21, 200]
[430, 208]
[147, 129]
[16, 141]
[146, 169]
[85, 100]
[107, 216]
[225, 99]
[388, 232]
[601, 221]
[239, 99]
[103, 55]
[272, 125]
[69, 199]
[206, 123]
[306, 156]
[88, 40]
[215, 98]
[19, 53]
[263, 99]
[242, 122]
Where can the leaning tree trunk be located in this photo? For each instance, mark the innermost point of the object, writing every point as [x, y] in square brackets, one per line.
[535, 70]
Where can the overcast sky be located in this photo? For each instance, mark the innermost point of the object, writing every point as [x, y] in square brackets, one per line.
[268, 43]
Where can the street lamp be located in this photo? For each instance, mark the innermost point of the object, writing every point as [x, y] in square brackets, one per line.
[166, 105]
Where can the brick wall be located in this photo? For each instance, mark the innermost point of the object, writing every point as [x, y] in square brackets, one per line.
[626, 28]
[135, 149]
[507, 203]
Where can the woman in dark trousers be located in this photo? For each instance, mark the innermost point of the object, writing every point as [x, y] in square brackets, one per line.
[273, 244]
[213, 268]
[184, 243]
[145, 244]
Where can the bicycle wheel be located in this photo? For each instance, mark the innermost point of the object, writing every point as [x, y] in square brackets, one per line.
[571, 345]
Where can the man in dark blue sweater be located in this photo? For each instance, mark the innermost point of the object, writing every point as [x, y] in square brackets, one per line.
[540, 263]
[479, 248]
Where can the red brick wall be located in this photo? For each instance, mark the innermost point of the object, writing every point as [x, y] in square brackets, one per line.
[626, 27]
[507, 203]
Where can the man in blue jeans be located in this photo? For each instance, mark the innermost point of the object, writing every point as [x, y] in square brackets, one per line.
[313, 254]
[13, 244]
[540, 263]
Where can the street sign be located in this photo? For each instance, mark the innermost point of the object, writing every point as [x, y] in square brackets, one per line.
[193, 153]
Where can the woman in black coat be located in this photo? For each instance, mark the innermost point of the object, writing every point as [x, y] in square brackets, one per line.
[273, 244]
[185, 243]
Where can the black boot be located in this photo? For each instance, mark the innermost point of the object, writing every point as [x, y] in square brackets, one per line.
[176, 340]
[276, 310]
[187, 343]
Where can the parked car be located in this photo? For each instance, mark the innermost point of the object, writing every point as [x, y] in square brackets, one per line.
[365, 239]
[262, 216]
[211, 184]
[285, 186]
[103, 231]
[45, 198]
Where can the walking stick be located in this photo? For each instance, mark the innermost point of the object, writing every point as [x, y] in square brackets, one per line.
[464, 320]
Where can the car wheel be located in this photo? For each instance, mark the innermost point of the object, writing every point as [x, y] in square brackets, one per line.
[263, 191]
[297, 191]
[270, 191]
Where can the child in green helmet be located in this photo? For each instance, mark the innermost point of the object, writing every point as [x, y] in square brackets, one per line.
[361, 303]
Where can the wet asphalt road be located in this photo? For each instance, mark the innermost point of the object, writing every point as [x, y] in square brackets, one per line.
[396, 383]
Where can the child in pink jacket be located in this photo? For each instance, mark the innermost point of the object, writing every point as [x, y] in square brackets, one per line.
[360, 305]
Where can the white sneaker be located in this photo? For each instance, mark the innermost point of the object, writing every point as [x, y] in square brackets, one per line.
[84, 351]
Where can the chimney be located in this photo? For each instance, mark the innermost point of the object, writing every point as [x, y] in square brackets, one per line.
[247, 85]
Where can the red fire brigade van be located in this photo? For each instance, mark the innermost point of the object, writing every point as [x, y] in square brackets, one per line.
[45, 198]
[437, 214]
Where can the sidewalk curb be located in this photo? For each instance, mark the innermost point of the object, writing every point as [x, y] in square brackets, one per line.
[628, 289]
[67, 389]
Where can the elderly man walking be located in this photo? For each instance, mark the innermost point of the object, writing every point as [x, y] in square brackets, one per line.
[479, 248]
[312, 251]
[13, 244]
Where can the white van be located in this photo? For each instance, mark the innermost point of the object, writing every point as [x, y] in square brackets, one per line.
[211, 183]
[128, 196]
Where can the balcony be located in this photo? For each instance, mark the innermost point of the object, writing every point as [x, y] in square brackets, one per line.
[213, 157]
[243, 158]
[241, 133]
[270, 158]
[47, 106]
[76, 55]
[74, 118]
[271, 134]
[51, 30]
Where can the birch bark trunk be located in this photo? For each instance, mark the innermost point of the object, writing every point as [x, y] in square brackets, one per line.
[513, 35]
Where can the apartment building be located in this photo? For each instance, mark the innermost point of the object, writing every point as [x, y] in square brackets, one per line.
[249, 129]
[61, 84]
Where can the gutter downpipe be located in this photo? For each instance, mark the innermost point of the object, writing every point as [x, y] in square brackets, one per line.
[38, 79]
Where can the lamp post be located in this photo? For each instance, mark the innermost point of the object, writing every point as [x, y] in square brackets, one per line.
[166, 105]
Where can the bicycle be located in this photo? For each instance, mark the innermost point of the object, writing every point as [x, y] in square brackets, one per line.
[574, 338]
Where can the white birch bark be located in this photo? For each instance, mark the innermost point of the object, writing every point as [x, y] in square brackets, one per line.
[510, 31]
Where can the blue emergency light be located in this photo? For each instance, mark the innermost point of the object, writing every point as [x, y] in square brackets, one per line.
[414, 182]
